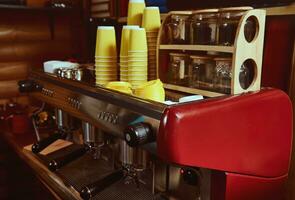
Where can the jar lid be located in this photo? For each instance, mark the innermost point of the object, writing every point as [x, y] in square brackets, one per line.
[223, 59]
[205, 11]
[244, 8]
[177, 54]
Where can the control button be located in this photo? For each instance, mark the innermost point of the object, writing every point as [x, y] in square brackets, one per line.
[29, 86]
[190, 176]
[139, 134]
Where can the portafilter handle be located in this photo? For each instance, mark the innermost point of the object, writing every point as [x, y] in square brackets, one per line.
[42, 144]
[65, 159]
[93, 189]
[28, 86]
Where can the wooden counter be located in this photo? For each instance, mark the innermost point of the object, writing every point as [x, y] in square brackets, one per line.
[50, 180]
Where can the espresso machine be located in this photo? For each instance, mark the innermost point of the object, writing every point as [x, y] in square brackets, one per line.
[225, 148]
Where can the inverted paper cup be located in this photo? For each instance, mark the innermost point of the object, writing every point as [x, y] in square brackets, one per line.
[138, 40]
[108, 79]
[137, 60]
[123, 79]
[105, 60]
[141, 57]
[106, 68]
[135, 12]
[105, 41]
[135, 73]
[125, 40]
[125, 67]
[105, 74]
[138, 69]
[153, 90]
[113, 65]
[138, 56]
[139, 79]
[133, 67]
[151, 19]
[106, 57]
[124, 87]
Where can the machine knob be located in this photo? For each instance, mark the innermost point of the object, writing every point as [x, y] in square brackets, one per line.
[139, 134]
[28, 86]
[190, 176]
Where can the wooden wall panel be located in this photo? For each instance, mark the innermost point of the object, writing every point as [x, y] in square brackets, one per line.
[30, 37]
[9, 89]
[14, 70]
[25, 28]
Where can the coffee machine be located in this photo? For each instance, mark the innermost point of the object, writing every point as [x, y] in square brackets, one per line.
[224, 148]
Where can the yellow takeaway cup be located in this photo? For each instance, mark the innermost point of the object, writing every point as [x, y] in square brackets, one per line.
[105, 42]
[151, 19]
[135, 12]
[152, 90]
[125, 40]
[121, 86]
[138, 42]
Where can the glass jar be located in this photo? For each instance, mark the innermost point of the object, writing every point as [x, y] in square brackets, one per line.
[204, 27]
[178, 69]
[178, 29]
[223, 75]
[229, 20]
[201, 72]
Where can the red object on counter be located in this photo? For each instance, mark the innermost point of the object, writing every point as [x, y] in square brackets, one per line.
[248, 137]
[20, 123]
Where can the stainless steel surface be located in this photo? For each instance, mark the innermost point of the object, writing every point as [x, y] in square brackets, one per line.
[65, 121]
[111, 112]
[77, 74]
[148, 108]
[126, 153]
[91, 134]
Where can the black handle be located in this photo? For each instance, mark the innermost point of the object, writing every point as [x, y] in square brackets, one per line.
[28, 86]
[139, 134]
[93, 189]
[42, 144]
[65, 159]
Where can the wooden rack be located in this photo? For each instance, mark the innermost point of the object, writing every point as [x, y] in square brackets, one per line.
[240, 51]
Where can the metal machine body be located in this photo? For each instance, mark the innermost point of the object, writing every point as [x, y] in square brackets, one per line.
[226, 148]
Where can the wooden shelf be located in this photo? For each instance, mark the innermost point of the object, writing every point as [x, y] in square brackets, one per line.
[280, 10]
[124, 19]
[31, 8]
[225, 49]
[205, 93]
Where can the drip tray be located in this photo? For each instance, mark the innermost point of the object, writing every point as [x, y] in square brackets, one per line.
[85, 170]
[122, 191]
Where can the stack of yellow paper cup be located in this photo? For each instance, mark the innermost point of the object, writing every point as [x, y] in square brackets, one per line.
[105, 55]
[137, 57]
[124, 52]
[151, 22]
[135, 11]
